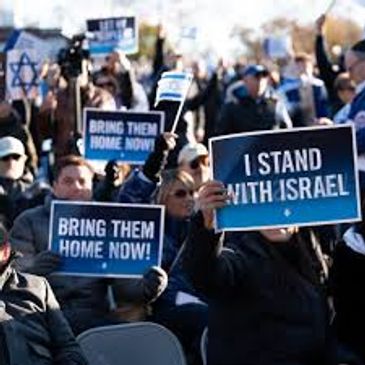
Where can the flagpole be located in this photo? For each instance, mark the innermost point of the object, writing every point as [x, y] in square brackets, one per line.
[330, 6]
[177, 117]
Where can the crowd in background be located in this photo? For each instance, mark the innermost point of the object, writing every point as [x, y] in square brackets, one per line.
[289, 297]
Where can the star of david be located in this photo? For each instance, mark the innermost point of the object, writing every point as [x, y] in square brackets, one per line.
[18, 67]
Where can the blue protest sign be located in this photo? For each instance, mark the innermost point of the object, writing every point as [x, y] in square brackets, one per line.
[122, 136]
[302, 176]
[106, 239]
[113, 34]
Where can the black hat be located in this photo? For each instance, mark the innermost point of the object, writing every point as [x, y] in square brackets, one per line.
[359, 46]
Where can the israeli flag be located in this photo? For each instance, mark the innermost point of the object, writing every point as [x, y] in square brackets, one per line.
[173, 86]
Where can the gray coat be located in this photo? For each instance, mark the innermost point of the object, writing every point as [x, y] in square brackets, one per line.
[33, 329]
[29, 236]
[82, 299]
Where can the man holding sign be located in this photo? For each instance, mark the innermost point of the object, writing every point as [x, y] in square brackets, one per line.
[82, 299]
[265, 289]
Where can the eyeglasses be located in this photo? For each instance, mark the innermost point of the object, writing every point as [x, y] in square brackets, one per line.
[181, 193]
[10, 157]
[201, 160]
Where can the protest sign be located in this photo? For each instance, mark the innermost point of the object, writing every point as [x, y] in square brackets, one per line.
[122, 136]
[301, 177]
[106, 239]
[22, 67]
[113, 34]
[278, 47]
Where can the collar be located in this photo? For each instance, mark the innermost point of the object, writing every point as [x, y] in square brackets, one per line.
[8, 270]
[360, 87]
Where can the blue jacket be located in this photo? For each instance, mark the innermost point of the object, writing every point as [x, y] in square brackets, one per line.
[357, 115]
[290, 91]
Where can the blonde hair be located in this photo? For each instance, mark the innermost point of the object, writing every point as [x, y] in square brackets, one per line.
[169, 178]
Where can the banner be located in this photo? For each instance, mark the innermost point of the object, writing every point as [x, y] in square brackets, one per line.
[21, 39]
[297, 177]
[173, 86]
[22, 67]
[123, 136]
[113, 34]
[106, 239]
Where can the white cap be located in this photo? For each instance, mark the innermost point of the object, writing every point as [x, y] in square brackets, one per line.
[191, 151]
[11, 146]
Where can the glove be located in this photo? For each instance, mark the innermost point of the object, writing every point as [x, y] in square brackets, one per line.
[156, 161]
[45, 262]
[154, 283]
[111, 173]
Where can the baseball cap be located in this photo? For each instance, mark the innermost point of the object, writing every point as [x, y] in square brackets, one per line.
[191, 151]
[11, 146]
[255, 70]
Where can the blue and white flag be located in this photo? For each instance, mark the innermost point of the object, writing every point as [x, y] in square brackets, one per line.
[173, 86]
[22, 68]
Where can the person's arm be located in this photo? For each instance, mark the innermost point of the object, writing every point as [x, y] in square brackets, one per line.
[64, 348]
[216, 271]
[21, 239]
[158, 60]
[31, 260]
[326, 72]
[141, 185]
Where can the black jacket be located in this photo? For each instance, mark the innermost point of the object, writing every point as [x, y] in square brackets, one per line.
[347, 278]
[246, 114]
[265, 304]
[33, 330]
[328, 73]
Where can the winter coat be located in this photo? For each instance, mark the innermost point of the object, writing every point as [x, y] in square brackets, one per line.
[347, 277]
[33, 330]
[265, 303]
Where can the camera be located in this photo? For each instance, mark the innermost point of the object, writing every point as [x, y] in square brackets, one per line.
[71, 58]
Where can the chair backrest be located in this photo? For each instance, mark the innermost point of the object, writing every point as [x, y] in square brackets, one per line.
[203, 345]
[141, 343]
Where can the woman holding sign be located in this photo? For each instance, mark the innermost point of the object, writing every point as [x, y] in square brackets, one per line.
[180, 308]
[265, 298]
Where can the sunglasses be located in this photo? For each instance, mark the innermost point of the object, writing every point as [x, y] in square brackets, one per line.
[181, 193]
[202, 160]
[10, 157]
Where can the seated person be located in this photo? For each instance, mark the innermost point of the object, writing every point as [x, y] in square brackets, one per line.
[16, 185]
[33, 330]
[83, 299]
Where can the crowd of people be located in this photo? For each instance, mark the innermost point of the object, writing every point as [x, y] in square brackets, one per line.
[275, 296]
